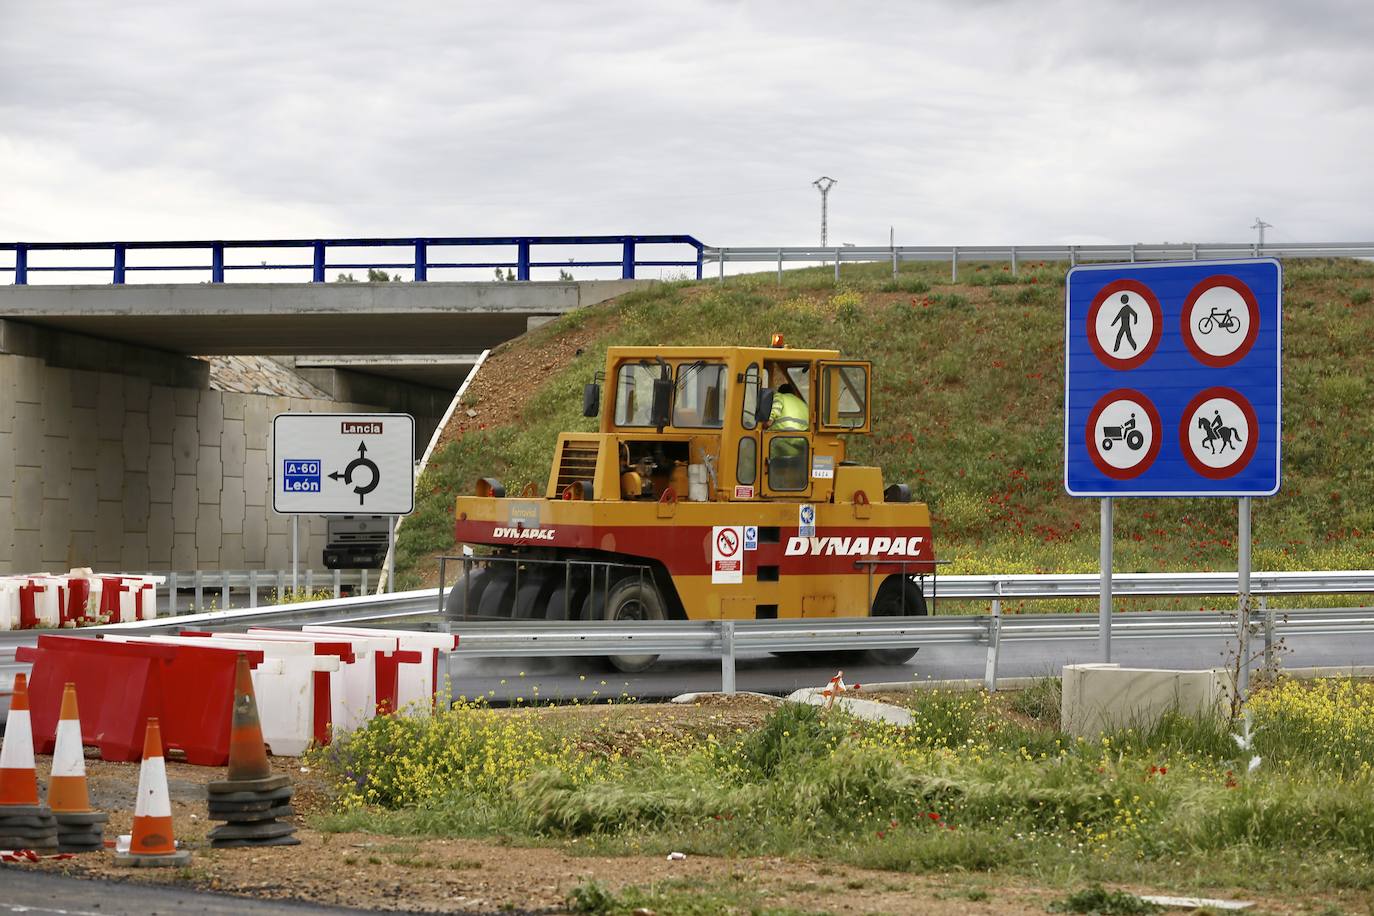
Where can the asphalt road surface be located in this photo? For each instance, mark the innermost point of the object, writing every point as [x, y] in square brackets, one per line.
[501, 679]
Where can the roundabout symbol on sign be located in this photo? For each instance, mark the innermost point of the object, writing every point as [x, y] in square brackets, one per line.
[1220, 321]
[1124, 324]
[1123, 434]
[1218, 432]
[727, 542]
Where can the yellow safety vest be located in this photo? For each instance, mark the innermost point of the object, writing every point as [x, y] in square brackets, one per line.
[788, 414]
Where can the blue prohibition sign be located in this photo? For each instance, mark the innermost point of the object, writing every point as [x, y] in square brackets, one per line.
[1173, 379]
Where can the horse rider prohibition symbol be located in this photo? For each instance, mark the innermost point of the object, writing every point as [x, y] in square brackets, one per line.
[1216, 430]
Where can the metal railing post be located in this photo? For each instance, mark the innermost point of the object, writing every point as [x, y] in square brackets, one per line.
[701, 259]
[318, 274]
[172, 593]
[837, 265]
[627, 261]
[253, 588]
[216, 263]
[223, 590]
[780, 267]
[363, 589]
[994, 642]
[522, 260]
[310, 580]
[727, 656]
[421, 261]
[1013, 260]
[721, 278]
[338, 582]
[21, 265]
[954, 264]
[894, 263]
[119, 263]
[1269, 654]
[281, 585]
[199, 584]
[1133, 252]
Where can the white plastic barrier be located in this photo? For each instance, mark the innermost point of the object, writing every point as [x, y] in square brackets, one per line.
[356, 683]
[46, 599]
[284, 684]
[9, 604]
[416, 685]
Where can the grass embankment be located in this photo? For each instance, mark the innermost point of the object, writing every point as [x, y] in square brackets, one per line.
[968, 386]
[979, 784]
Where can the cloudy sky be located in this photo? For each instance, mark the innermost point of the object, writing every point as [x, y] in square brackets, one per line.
[975, 122]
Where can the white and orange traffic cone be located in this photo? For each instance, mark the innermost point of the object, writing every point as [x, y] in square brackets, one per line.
[152, 843]
[835, 688]
[79, 827]
[24, 823]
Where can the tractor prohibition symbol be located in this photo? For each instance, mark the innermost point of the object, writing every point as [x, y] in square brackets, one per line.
[1135, 439]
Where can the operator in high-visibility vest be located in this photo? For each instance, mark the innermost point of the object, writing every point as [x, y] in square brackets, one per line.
[789, 414]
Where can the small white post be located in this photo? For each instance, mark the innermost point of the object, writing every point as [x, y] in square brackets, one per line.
[295, 550]
[1243, 596]
[727, 656]
[391, 555]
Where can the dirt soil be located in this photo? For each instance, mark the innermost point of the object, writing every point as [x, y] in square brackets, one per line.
[429, 875]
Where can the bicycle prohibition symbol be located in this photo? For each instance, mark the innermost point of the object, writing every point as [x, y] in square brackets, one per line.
[1224, 320]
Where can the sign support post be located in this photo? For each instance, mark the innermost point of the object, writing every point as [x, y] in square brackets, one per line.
[295, 550]
[391, 553]
[1104, 601]
[1243, 597]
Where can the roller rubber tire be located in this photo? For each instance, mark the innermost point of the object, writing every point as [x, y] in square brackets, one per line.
[459, 594]
[498, 598]
[629, 600]
[888, 603]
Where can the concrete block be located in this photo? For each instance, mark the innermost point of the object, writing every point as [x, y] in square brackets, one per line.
[209, 473]
[137, 391]
[254, 538]
[28, 498]
[233, 447]
[1100, 698]
[186, 401]
[81, 551]
[109, 469]
[278, 551]
[185, 505]
[53, 533]
[231, 505]
[133, 554]
[109, 530]
[26, 553]
[160, 534]
[7, 446]
[210, 416]
[161, 472]
[110, 407]
[57, 467]
[85, 387]
[185, 444]
[161, 413]
[234, 404]
[136, 501]
[7, 384]
[28, 434]
[137, 441]
[84, 449]
[184, 556]
[257, 487]
[231, 554]
[257, 420]
[84, 494]
[277, 523]
[57, 402]
[208, 537]
[28, 380]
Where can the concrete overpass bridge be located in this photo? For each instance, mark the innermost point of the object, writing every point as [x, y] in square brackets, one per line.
[118, 450]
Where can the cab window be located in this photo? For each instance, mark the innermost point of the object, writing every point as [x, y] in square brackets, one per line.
[846, 395]
[751, 397]
[634, 394]
[699, 399]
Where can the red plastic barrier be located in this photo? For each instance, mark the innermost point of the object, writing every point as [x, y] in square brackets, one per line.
[191, 689]
[28, 614]
[387, 665]
[73, 599]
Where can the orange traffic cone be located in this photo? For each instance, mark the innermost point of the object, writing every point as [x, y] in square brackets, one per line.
[247, 750]
[152, 842]
[79, 828]
[251, 798]
[24, 823]
[18, 777]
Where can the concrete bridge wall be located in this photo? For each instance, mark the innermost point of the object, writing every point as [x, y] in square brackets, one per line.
[115, 471]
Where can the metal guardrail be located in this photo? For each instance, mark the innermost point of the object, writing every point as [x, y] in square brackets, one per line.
[1015, 254]
[1156, 585]
[224, 584]
[420, 261]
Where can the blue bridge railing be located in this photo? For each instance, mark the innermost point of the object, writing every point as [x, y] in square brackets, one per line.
[419, 260]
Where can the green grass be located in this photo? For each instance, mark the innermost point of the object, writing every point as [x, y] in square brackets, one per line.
[676, 897]
[967, 409]
[978, 784]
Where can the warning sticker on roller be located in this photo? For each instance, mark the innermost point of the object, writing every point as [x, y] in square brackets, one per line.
[727, 555]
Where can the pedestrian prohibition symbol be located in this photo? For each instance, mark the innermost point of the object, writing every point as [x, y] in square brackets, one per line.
[1172, 381]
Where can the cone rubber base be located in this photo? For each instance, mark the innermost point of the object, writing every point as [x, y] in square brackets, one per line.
[266, 784]
[20, 842]
[248, 817]
[271, 795]
[247, 844]
[22, 824]
[81, 818]
[263, 831]
[142, 860]
[7, 811]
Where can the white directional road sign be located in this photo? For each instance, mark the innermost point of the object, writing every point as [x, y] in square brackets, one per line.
[343, 464]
